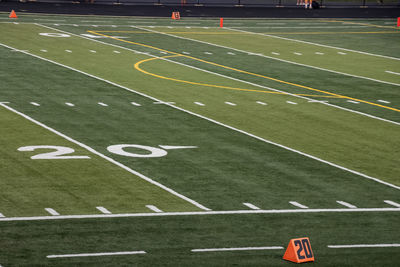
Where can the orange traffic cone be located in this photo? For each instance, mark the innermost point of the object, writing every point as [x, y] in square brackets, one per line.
[13, 15]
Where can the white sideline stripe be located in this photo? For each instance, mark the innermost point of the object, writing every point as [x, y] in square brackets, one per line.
[135, 104]
[222, 124]
[69, 104]
[104, 210]
[346, 204]
[251, 206]
[383, 101]
[96, 254]
[153, 208]
[261, 103]
[297, 204]
[88, 148]
[195, 213]
[199, 103]
[290, 102]
[132, 50]
[365, 246]
[305, 42]
[52, 211]
[392, 203]
[230, 103]
[392, 72]
[234, 249]
[352, 101]
[102, 104]
[35, 104]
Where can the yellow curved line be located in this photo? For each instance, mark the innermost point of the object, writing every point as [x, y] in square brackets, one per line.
[246, 72]
[137, 66]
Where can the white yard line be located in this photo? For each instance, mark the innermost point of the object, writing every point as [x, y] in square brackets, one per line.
[365, 246]
[350, 206]
[397, 205]
[96, 254]
[196, 213]
[225, 125]
[392, 72]
[153, 208]
[297, 204]
[234, 249]
[107, 158]
[52, 211]
[251, 206]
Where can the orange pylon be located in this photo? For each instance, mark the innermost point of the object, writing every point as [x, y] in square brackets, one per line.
[13, 15]
[176, 15]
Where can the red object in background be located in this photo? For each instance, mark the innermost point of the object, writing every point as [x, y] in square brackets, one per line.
[221, 22]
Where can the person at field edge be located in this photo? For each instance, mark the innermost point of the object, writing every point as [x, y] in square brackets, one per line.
[308, 4]
[300, 2]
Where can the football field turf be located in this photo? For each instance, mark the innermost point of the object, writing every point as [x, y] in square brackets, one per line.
[142, 141]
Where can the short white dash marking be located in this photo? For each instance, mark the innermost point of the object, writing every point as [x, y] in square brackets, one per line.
[162, 52]
[251, 206]
[16, 23]
[75, 25]
[69, 104]
[116, 52]
[208, 53]
[113, 26]
[35, 104]
[346, 204]
[297, 204]
[186, 53]
[52, 211]
[1, 215]
[95, 26]
[275, 53]
[352, 101]
[383, 101]
[154, 208]
[397, 205]
[319, 53]
[234, 249]
[93, 51]
[231, 53]
[56, 24]
[135, 104]
[103, 210]
[365, 246]
[199, 103]
[68, 51]
[392, 72]
[297, 53]
[96, 254]
[230, 103]
[102, 104]
[261, 103]
[169, 27]
[342, 53]
[290, 102]
[43, 50]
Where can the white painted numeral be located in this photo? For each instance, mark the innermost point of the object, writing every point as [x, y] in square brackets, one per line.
[154, 151]
[57, 154]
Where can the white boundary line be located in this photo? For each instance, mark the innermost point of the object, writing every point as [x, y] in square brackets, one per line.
[234, 249]
[274, 58]
[96, 254]
[208, 119]
[182, 64]
[88, 148]
[365, 246]
[195, 213]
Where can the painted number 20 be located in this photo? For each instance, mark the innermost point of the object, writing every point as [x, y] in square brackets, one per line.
[303, 245]
[58, 153]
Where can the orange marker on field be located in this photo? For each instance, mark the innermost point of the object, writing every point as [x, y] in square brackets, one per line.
[299, 250]
[13, 15]
[398, 22]
[176, 15]
[221, 22]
